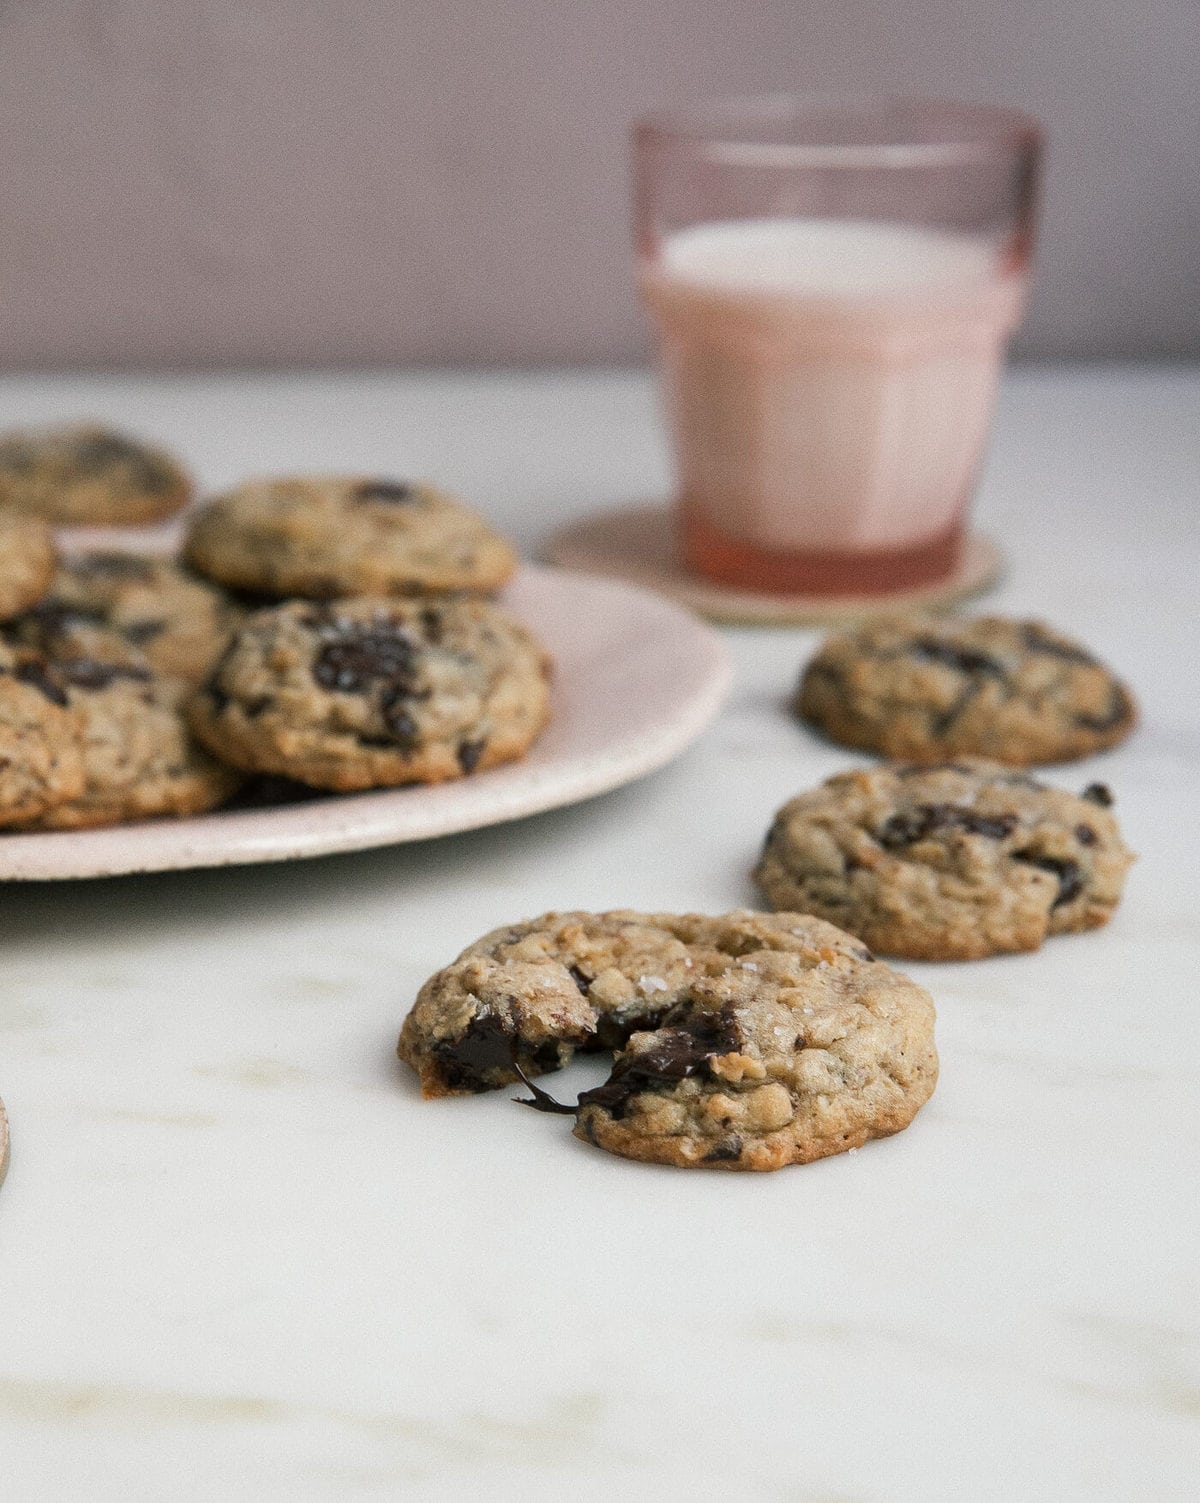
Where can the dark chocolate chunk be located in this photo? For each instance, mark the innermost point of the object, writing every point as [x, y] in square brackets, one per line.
[432, 625]
[542, 1100]
[1085, 835]
[688, 1039]
[361, 654]
[950, 655]
[1036, 640]
[1070, 878]
[114, 566]
[613, 1030]
[35, 675]
[469, 753]
[51, 616]
[141, 632]
[1098, 793]
[912, 825]
[580, 980]
[395, 491]
[1119, 709]
[488, 1044]
[88, 673]
[726, 1150]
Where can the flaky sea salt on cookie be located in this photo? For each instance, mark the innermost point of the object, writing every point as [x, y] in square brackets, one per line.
[744, 1041]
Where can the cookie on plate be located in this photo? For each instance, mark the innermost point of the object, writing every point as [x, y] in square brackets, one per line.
[746, 1041]
[27, 561]
[101, 604]
[41, 762]
[928, 688]
[139, 759]
[89, 476]
[324, 537]
[951, 862]
[370, 693]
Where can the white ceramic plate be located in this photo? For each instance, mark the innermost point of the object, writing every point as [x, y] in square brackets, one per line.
[635, 680]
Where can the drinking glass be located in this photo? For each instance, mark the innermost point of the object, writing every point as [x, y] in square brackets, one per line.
[833, 283]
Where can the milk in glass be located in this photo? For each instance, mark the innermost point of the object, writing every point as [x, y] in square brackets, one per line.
[829, 385]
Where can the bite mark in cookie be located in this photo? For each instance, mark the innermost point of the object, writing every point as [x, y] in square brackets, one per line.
[746, 1041]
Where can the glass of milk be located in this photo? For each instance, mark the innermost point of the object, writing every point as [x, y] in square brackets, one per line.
[832, 282]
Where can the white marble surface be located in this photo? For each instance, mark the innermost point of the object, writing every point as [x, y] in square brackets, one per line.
[240, 1259]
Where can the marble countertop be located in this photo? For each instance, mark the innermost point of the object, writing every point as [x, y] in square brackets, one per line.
[241, 1260]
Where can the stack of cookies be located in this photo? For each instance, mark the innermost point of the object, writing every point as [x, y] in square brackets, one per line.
[335, 632]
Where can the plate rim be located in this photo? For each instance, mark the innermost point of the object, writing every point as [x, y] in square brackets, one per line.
[113, 851]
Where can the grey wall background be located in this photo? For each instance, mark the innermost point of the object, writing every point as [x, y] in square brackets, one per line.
[226, 182]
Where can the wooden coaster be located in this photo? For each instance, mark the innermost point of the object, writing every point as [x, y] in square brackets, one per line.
[3, 1142]
[637, 544]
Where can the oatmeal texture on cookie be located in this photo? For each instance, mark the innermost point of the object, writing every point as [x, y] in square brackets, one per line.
[927, 688]
[139, 758]
[89, 475]
[103, 603]
[27, 561]
[951, 862]
[41, 757]
[744, 1041]
[324, 537]
[369, 693]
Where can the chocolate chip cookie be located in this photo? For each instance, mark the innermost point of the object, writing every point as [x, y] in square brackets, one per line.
[324, 537]
[747, 1041]
[27, 560]
[370, 693]
[101, 604]
[41, 761]
[139, 759]
[951, 862]
[3, 1142]
[89, 476]
[928, 688]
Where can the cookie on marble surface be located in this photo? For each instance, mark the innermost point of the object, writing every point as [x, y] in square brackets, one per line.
[949, 862]
[100, 604]
[139, 758]
[928, 688]
[27, 561]
[369, 693]
[41, 761]
[745, 1041]
[324, 537]
[88, 475]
